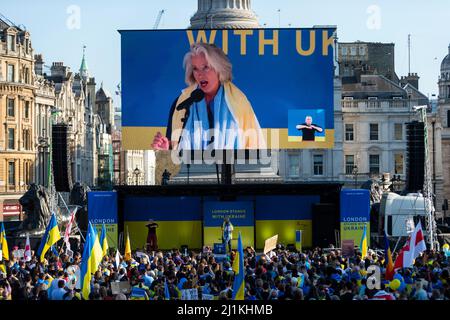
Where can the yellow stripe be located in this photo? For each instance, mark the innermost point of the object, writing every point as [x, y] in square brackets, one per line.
[141, 138]
[285, 230]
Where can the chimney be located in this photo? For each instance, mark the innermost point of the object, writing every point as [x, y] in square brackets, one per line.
[58, 69]
[412, 79]
[38, 64]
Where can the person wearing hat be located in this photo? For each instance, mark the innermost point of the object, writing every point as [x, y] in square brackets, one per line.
[152, 240]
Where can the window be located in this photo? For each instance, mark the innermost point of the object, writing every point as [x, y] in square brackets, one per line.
[362, 51]
[11, 42]
[27, 109]
[27, 46]
[11, 139]
[11, 174]
[353, 51]
[398, 162]
[373, 131]
[318, 165]
[27, 76]
[349, 164]
[10, 75]
[398, 131]
[448, 118]
[374, 164]
[349, 132]
[294, 165]
[344, 51]
[11, 103]
[26, 139]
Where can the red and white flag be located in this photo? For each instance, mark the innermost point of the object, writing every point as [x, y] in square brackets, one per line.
[413, 247]
[69, 228]
[27, 254]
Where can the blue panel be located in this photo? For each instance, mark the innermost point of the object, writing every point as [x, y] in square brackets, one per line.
[355, 205]
[162, 208]
[102, 207]
[285, 207]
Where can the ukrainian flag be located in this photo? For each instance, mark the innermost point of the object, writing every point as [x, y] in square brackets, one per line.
[92, 255]
[388, 257]
[239, 284]
[104, 241]
[4, 244]
[363, 244]
[50, 237]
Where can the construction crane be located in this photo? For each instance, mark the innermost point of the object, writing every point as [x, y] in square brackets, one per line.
[158, 19]
[427, 186]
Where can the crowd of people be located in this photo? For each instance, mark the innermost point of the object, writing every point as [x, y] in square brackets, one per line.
[281, 274]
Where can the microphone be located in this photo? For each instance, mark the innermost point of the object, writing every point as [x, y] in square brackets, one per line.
[196, 96]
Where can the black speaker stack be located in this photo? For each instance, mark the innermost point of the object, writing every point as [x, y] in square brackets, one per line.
[415, 156]
[61, 158]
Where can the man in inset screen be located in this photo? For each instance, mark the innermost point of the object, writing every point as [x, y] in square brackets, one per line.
[309, 129]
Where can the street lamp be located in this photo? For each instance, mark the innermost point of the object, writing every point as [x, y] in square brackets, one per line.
[137, 173]
[355, 175]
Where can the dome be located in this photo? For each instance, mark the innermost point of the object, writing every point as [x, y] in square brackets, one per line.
[445, 66]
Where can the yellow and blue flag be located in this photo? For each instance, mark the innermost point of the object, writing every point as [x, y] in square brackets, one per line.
[127, 248]
[298, 240]
[104, 241]
[50, 237]
[4, 244]
[363, 244]
[92, 255]
[238, 285]
[166, 290]
[388, 257]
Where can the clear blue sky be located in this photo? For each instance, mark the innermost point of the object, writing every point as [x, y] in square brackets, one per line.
[46, 20]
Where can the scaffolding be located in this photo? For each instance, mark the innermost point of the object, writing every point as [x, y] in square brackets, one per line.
[427, 186]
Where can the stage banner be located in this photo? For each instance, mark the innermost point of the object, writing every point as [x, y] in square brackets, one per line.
[102, 209]
[355, 214]
[241, 215]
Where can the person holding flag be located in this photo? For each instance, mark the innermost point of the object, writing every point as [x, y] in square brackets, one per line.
[92, 255]
[363, 245]
[4, 251]
[104, 241]
[389, 275]
[238, 267]
[51, 236]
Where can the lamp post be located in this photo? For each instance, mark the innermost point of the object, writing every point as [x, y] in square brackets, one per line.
[137, 173]
[355, 175]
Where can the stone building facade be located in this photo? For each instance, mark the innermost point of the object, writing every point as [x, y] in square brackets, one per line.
[17, 114]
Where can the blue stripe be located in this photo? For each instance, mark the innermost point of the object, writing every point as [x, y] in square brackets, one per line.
[102, 205]
[285, 207]
[162, 208]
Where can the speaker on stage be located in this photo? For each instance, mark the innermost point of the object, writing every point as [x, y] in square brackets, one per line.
[61, 158]
[415, 156]
[325, 220]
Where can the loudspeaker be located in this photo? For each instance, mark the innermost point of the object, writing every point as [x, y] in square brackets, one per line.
[61, 158]
[415, 156]
[325, 220]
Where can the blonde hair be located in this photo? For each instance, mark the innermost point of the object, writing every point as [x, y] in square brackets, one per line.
[215, 57]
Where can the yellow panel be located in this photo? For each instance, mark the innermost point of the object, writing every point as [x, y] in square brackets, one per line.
[285, 230]
[214, 235]
[141, 138]
[354, 231]
[171, 234]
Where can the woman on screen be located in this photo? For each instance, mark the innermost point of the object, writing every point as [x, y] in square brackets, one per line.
[221, 119]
